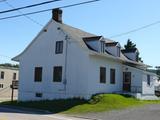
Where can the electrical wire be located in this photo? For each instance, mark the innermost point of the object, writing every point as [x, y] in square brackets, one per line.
[29, 6]
[29, 18]
[135, 30]
[66, 6]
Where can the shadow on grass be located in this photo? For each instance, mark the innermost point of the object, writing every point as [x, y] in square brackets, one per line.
[54, 106]
[127, 95]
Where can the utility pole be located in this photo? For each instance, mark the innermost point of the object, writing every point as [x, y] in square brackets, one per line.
[13, 86]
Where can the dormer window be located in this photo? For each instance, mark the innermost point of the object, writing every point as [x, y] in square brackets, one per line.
[113, 48]
[131, 53]
[95, 43]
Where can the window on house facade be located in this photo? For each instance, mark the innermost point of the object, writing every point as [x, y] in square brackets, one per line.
[1, 85]
[38, 74]
[148, 80]
[57, 74]
[38, 95]
[102, 75]
[14, 76]
[2, 75]
[59, 47]
[112, 76]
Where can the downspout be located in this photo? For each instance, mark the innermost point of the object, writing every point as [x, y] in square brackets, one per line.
[65, 64]
[65, 61]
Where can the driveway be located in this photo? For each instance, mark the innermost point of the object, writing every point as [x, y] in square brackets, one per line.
[10, 113]
[147, 112]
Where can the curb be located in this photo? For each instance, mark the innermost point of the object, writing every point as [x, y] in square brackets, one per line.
[84, 117]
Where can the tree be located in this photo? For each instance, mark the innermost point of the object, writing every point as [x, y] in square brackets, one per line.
[10, 65]
[131, 45]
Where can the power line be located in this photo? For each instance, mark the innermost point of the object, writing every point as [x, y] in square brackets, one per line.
[29, 6]
[29, 18]
[135, 30]
[67, 6]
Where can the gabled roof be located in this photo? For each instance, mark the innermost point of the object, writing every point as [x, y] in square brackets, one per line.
[78, 36]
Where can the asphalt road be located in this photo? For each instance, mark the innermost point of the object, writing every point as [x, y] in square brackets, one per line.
[147, 112]
[7, 113]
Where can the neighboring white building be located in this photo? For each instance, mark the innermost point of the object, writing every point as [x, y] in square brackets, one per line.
[66, 62]
[7, 75]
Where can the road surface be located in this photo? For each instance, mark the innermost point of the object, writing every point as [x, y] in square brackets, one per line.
[147, 112]
[7, 113]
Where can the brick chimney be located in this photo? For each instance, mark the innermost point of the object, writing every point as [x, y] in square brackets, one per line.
[57, 15]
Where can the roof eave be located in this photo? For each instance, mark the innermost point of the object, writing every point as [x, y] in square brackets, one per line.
[119, 59]
[16, 58]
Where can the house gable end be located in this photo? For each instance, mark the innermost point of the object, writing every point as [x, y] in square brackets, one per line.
[43, 30]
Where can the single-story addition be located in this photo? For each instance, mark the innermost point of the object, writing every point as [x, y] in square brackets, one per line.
[66, 62]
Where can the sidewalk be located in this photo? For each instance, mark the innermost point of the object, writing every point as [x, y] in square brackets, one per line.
[3, 99]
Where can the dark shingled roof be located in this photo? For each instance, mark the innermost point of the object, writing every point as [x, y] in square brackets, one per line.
[112, 44]
[93, 38]
[129, 50]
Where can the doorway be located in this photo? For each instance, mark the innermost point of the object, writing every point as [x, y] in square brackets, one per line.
[127, 81]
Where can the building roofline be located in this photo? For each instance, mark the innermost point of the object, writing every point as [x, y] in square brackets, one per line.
[120, 59]
[111, 44]
[11, 68]
[16, 58]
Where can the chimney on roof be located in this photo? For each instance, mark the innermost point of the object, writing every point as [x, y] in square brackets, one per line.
[57, 15]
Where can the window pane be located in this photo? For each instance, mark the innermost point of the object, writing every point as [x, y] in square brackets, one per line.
[102, 75]
[38, 74]
[57, 74]
[148, 80]
[2, 75]
[14, 76]
[59, 47]
[112, 76]
[1, 85]
[38, 94]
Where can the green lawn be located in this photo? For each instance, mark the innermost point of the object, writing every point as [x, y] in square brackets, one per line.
[98, 103]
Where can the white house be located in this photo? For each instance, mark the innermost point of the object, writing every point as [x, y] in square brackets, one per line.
[66, 62]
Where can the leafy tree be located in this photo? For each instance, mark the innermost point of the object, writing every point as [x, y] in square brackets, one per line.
[131, 45]
[10, 65]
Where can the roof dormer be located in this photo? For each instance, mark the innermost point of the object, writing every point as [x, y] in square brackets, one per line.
[113, 48]
[96, 43]
[131, 53]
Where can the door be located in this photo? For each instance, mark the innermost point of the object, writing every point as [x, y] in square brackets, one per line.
[127, 81]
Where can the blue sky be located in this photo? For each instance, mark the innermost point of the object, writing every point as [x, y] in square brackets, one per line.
[107, 18]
